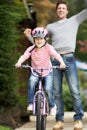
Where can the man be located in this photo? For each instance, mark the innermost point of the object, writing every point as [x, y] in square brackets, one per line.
[63, 36]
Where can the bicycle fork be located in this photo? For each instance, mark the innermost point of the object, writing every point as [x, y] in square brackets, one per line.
[43, 101]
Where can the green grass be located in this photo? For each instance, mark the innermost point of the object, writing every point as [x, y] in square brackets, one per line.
[4, 128]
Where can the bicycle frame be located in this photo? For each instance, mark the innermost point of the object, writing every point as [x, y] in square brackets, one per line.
[40, 107]
[44, 102]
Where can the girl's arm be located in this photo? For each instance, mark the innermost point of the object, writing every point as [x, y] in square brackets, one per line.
[23, 58]
[59, 58]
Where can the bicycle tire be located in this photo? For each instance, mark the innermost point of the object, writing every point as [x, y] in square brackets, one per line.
[38, 112]
[43, 122]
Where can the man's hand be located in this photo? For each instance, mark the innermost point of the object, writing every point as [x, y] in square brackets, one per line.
[27, 32]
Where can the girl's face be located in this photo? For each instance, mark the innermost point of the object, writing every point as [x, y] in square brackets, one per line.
[62, 11]
[39, 42]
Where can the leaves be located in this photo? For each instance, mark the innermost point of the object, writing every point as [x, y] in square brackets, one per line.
[9, 17]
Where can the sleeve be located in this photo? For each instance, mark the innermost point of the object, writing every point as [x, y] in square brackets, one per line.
[24, 57]
[48, 28]
[30, 38]
[81, 16]
[85, 3]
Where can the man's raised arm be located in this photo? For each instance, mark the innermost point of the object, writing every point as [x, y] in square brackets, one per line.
[27, 33]
[85, 3]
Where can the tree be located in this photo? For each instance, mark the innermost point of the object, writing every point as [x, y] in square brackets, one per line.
[10, 15]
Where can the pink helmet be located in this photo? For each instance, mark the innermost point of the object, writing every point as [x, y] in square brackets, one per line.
[39, 32]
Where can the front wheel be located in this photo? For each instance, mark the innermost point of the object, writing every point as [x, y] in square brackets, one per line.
[43, 122]
[38, 112]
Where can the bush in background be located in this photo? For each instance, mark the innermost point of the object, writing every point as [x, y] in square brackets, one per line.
[68, 105]
[10, 15]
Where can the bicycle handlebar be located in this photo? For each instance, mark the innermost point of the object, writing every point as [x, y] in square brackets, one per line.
[40, 69]
[33, 70]
[53, 67]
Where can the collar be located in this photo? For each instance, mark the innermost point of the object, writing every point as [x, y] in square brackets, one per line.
[61, 21]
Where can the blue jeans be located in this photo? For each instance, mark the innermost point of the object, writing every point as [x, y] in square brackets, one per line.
[47, 84]
[72, 80]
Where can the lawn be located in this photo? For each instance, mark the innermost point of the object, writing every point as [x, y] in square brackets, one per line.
[4, 128]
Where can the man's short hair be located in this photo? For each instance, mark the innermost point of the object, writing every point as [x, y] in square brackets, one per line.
[61, 2]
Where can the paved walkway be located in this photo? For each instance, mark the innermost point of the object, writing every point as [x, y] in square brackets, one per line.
[68, 124]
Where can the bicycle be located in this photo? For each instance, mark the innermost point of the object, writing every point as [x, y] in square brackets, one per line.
[40, 103]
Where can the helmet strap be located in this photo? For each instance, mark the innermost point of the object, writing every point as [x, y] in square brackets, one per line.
[43, 45]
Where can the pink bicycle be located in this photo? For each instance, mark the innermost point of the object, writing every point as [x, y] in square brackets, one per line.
[40, 103]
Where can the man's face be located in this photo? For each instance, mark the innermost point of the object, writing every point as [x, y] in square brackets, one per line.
[62, 11]
[39, 42]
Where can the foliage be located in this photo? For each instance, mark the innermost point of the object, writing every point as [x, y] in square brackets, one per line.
[68, 106]
[4, 128]
[82, 35]
[76, 7]
[68, 103]
[10, 15]
[84, 101]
